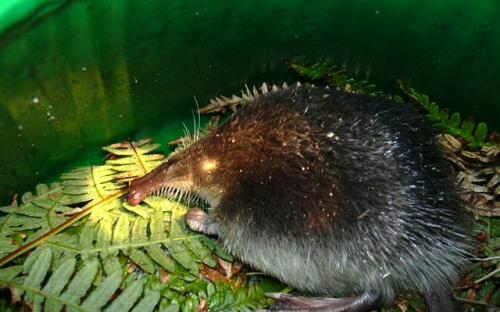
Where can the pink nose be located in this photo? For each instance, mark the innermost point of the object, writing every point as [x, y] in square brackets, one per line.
[134, 197]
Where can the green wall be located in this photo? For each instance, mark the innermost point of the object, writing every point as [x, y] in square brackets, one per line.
[76, 75]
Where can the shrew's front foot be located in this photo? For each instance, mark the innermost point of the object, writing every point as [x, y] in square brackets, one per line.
[199, 221]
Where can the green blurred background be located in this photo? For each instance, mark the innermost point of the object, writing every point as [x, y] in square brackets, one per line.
[77, 75]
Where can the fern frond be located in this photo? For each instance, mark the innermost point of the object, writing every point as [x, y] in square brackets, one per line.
[224, 297]
[133, 159]
[334, 76]
[69, 286]
[38, 215]
[221, 104]
[155, 238]
[110, 260]
[89, 185]
[475, 135]
[79, 286]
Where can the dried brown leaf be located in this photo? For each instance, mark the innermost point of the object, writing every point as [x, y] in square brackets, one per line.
[164, 276]
[214, 275]
[226, 267]
[202, 306]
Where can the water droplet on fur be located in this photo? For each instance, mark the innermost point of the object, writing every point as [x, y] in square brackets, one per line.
[331, 194]
[330, 135]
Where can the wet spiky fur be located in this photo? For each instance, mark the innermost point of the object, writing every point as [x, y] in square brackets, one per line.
[330, 192]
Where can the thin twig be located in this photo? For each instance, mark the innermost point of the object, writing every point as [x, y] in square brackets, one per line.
[473, 302]
[491, 274]
[487, 259]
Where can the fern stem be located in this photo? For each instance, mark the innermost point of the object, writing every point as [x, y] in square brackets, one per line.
[23, 249]
[125, 246]
[139, 160]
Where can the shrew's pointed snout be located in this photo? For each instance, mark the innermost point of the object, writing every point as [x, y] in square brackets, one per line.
[141, 187]
[164, 176]
[138, 190]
